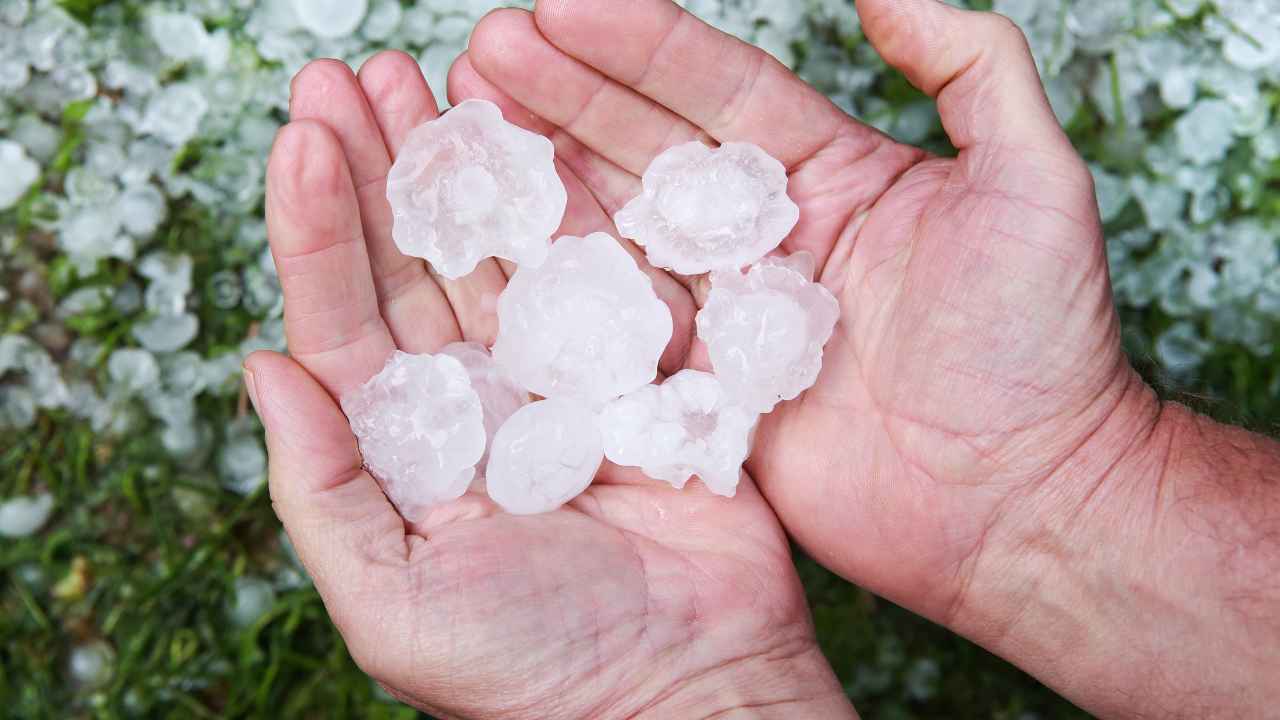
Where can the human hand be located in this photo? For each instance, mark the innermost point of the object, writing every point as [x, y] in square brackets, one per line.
[977, 348]
[633, 600]
[958, 448]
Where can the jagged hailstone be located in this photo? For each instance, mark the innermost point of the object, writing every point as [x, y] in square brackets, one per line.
[421, 429]
[686, 426]
[586, 324]
[469, 185]
[765, 329]
[705, 209]
[20, 172]
[330, 18]
[545, 455]
[500, 396]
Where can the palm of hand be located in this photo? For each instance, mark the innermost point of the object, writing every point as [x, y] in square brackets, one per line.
[949, 272]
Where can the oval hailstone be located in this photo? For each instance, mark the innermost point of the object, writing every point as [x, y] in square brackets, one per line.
[420, 427]
[470, 185]
[330, 18]
[586, 324]
[500, 396]
[765, 329]
[545, 455]
[686, 426]
[23, 516]
[710, 209]
[19, 175]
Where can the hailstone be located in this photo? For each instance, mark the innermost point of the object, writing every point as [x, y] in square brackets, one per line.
[586, 324]
[421, 429]
[765, 330]
[705, 209]
[469, 185]
[545, 455]
[500, 396]
[687, 425]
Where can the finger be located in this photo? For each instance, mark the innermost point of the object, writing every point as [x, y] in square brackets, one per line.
[611, 185]
[330, 307]
[338, 520]
[976, 64]
[401, 101]
[416, 310]
[622, 125]
[732, 90]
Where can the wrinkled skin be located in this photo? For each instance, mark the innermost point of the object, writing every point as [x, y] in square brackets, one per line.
[977, 351]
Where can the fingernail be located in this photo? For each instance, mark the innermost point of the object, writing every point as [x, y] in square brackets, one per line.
[251, 389]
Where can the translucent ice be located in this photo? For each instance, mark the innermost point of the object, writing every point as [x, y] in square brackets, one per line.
[20, 172]
[545, 455]
[500, 396]
[710, 209]
[420, 427]
[687, 425]
[765, 329]
[586, 324]
[470, 185]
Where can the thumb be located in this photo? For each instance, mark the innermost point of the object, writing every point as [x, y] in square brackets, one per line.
[339, 521]
[977, 65]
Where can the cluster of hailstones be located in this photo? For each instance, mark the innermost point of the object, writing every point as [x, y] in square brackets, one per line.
[580, 326]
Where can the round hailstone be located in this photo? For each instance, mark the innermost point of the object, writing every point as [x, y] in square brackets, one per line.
[710, 209]
[421, 429]
[586, 324]
[470, 185]
[23, 516]
[765, 330]
[330, 18]
[20, 172]
[500, 396]
[545, 455]
[686, 426]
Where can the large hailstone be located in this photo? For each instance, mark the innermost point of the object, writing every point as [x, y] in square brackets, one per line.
[470, 185]
[586, 324]
[708, 209]
[765, 329]
[330, 18]
[500, 396]
[545, 455]
[686, 426]
[421, 429]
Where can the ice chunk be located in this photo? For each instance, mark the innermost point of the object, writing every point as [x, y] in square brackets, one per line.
[133, 370]
[23, 516]
[470, 185]
[586, 324]
[687, 425]
[180, 36]
[1206, 133]
[20, 172]
[545, 455]
[500, 396]
[765, 330]
[420, 427]
[253, 597]
[166, 333]
[330, 18]
[710, 209]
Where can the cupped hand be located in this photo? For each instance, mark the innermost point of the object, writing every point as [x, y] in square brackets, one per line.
[632, 600]
[978, 349]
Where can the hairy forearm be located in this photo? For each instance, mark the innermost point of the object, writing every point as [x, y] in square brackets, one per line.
[1143, 579]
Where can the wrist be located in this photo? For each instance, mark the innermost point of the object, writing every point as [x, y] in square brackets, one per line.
[1114, 580]
[787, 683]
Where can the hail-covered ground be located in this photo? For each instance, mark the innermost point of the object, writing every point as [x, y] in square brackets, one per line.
[135, 278]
